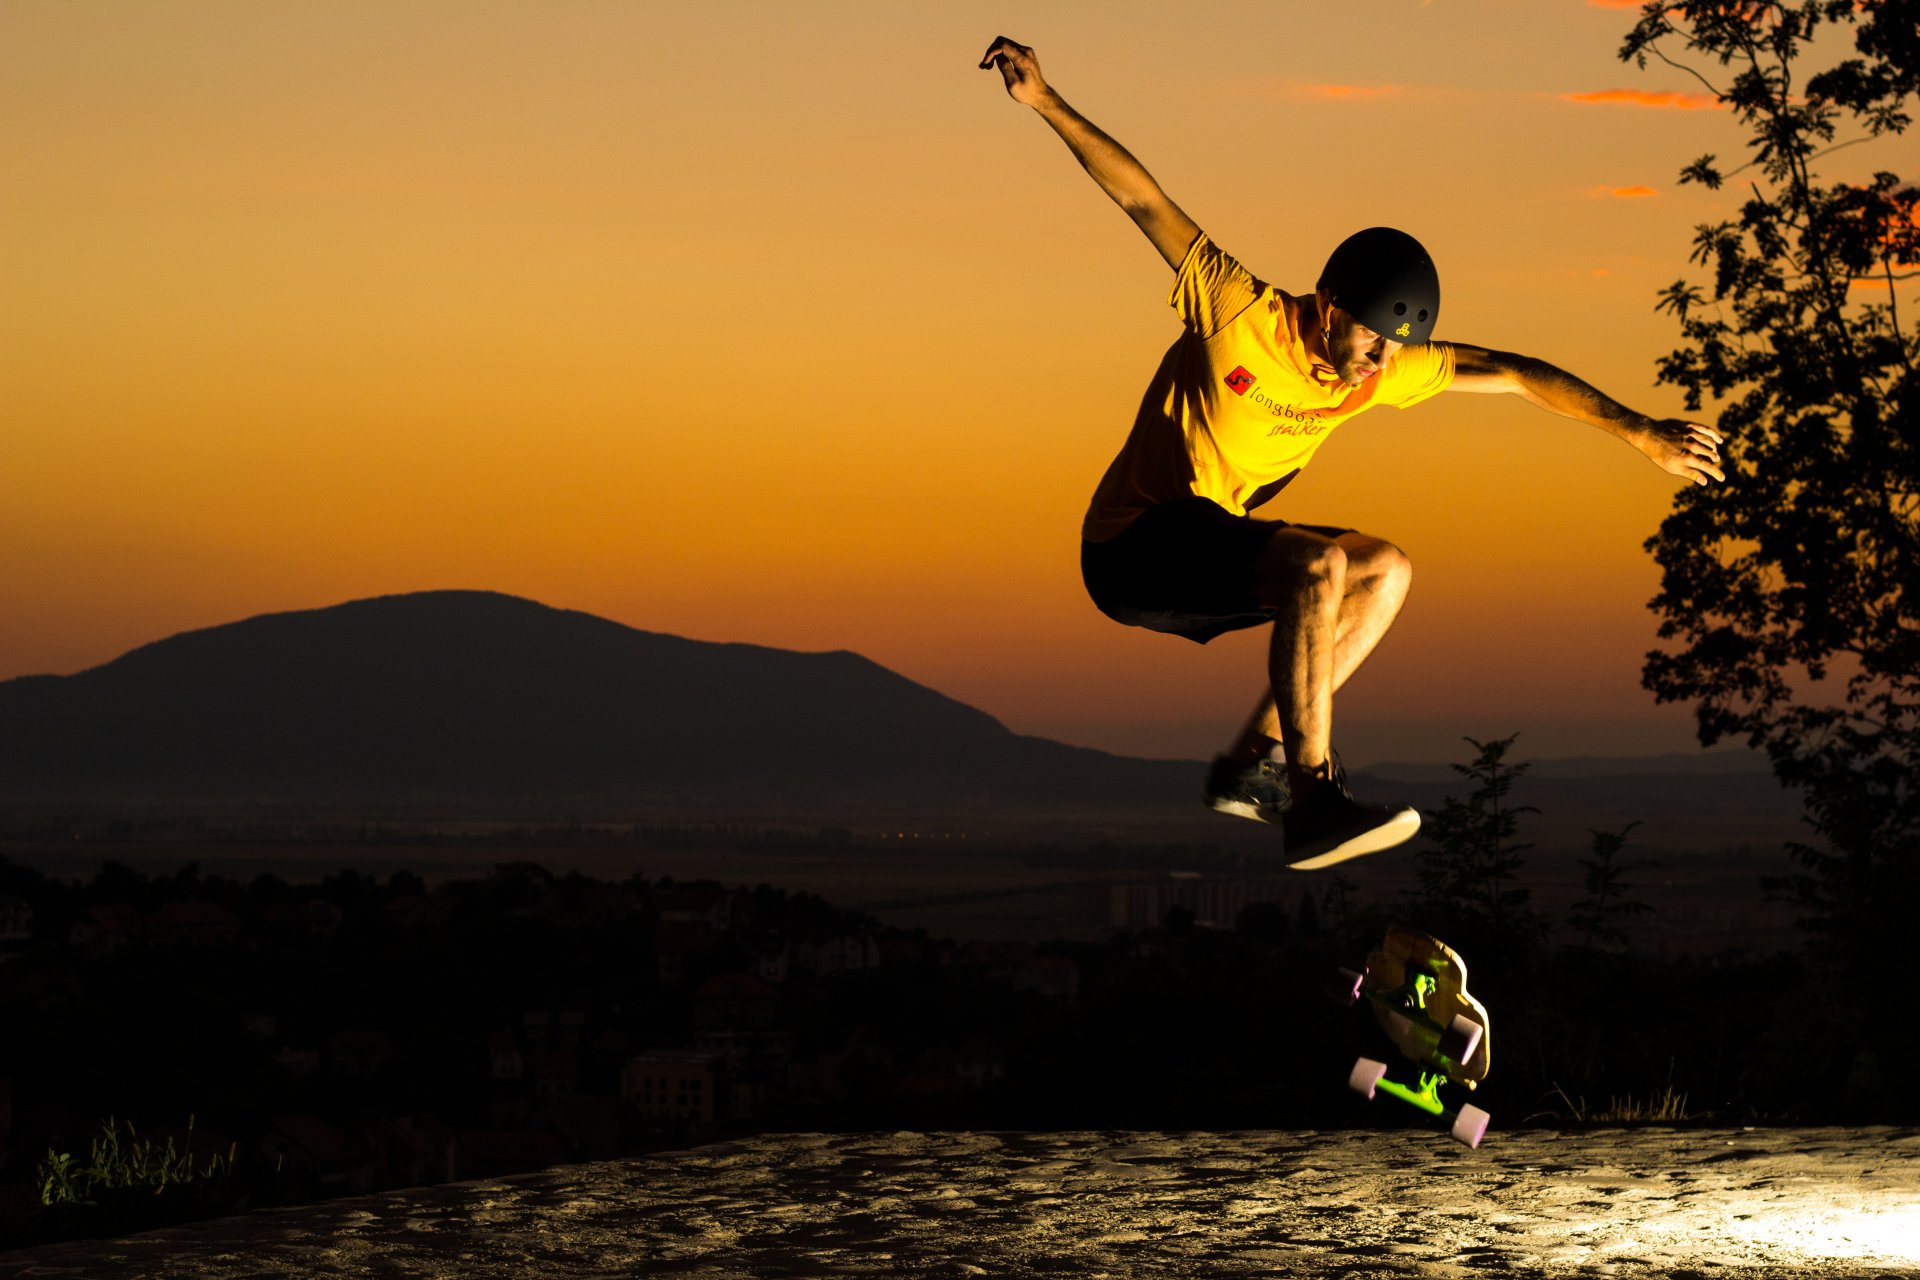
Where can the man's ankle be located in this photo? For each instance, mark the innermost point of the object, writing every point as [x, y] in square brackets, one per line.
[1256, 750]
[1306, 778]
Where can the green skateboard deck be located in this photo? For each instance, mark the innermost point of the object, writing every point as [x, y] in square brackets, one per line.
[1417, 988]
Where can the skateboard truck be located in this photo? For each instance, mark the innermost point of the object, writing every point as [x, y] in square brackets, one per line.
[1412, 983]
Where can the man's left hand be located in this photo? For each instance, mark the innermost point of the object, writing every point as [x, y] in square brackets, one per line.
[1683, 448]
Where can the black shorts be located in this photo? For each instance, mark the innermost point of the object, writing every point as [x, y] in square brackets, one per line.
[1187, 568]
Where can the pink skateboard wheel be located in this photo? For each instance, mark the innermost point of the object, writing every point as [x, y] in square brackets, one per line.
[1365, 1075]
[1470, 1125]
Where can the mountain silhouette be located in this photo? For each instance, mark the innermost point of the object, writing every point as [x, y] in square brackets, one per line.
[482, 696]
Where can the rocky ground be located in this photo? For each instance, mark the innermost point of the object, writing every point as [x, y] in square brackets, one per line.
[1627, 1202]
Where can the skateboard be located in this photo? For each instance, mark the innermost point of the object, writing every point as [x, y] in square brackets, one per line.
[1417, 986]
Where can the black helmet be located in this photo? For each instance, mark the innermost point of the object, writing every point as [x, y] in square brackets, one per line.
[1386, 281]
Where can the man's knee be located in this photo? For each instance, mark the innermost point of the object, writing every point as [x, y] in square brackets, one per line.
[1300, 561]
[1377, 563]
[1395, 568]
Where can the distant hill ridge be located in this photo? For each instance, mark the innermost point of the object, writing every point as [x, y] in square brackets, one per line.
[474, 693]
[1737, 763]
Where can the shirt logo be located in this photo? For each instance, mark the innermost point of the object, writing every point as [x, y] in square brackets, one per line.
[1239, 380]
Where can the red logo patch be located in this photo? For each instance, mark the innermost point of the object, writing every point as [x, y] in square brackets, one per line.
[1240, 380]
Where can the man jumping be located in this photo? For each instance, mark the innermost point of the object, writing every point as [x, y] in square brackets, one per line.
[1243, 398]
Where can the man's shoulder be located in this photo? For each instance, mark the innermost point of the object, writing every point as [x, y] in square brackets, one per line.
[1275, 317]
[1268, 304]
[1416, 372]
[1418, 360]
[1207, 258]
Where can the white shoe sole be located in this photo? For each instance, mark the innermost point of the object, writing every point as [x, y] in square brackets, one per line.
[1241, 809]
[1396, 830]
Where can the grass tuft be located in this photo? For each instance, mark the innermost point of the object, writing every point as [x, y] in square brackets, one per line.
[1665, 1107]
[114, 1166]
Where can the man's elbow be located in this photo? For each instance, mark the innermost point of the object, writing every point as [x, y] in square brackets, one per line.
[1522, 375]
[1481, 369]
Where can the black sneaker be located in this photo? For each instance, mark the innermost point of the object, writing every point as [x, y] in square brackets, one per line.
[1257, 790]
[1327, 825]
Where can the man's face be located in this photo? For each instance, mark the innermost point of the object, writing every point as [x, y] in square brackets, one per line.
[1355, 351]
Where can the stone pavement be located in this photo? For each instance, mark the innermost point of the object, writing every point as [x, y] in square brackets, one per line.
[1623, 1202]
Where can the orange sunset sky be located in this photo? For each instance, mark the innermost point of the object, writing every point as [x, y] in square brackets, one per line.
[782, 323]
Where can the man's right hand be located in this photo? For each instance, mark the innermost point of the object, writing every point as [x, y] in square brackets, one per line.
[1108, 163]
[1019, 68]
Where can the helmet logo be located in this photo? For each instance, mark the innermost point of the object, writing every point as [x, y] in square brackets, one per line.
[1403, 331]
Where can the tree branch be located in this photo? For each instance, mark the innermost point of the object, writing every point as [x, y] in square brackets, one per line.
[1893, 311]
[1679, 66]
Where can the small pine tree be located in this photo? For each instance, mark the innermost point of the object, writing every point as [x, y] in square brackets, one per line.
[1307, 918]
[1601, 916]
[1470, 865]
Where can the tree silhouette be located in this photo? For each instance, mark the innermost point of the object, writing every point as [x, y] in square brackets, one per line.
[1470, 864]
[1791, 595]
[1602, 916]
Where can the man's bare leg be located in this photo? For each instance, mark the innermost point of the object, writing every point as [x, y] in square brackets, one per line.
[1374, 585]
[1312, 584]
[1302, 578]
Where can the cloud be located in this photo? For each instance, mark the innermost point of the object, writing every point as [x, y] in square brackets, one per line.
[1616, 4]
[1344, 91]
[1280, 89]
[1646, 98]
[1622, 193]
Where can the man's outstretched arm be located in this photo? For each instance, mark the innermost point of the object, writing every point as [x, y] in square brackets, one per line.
[1117, 172]
[1675, 445]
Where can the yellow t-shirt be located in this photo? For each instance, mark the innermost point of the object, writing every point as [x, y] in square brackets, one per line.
[1237, 406]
